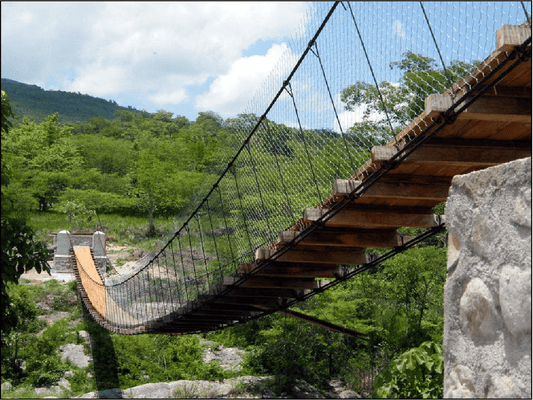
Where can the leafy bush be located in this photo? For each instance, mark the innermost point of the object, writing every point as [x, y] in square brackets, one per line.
[416, 373]
[44, 365]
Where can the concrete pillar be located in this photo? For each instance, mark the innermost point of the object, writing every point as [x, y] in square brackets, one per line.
[62, 253]
[99, 251]
[487, 297]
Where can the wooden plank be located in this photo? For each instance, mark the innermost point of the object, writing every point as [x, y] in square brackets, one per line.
[458, 155]
[207, 318]
[396, 189]
[251, 301]
[510, 36]
[276, 294]
[230, 307]
[226, 314]
[477, 143]
[361, 218]
[90, 279]
[267, 282]
[490, 108]
[347, 238]
[298, 270]
[317, 254]
[504, 91]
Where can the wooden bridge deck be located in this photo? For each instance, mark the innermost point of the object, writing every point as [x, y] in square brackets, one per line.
[494, 129]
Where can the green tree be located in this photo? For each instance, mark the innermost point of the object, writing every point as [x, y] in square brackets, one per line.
[402, 102]
[20, 252]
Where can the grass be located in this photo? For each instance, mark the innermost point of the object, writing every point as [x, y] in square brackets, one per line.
[28, 392]
[124, 230]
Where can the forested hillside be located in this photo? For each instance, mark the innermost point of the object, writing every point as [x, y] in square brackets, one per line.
[35, 103]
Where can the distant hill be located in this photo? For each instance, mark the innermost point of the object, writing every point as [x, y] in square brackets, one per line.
[36, 103]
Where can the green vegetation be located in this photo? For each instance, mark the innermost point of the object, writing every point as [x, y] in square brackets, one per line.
[37, 104]
[398, 306]
[30, 356]
[416, 373]
[138, 175]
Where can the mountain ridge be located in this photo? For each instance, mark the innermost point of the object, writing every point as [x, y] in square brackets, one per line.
[36, 103]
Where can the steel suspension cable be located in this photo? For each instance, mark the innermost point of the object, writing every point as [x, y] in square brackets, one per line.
[192, 260]
[175, 272]
[203, 251]
[448, 78]
[280, 173]
[528, 18]
[185, 280]
[242, 213]
[265, 211]
[289, 91]
[214, 238]
[317, 54]
[372, 71]
[226, 225]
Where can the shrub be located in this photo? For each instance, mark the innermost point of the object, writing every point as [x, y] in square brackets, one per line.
[416, 373]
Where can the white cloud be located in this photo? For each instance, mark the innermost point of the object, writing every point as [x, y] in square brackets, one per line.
[229, 93]
[160, 49]
[397, 28]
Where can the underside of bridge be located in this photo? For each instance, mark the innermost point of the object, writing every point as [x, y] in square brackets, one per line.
[481, 121]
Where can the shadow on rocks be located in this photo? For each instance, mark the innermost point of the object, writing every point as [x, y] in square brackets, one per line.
[106, 371]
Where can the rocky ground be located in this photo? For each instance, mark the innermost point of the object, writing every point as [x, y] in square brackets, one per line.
[229, 359]
[124, 261]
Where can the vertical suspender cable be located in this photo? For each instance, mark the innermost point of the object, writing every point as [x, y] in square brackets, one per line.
[448, 78]
[214, 236]
[317, 54]
[372, 71]
[289, 91]
[226, 225]
[242, 213]
[260, 193]
[281, 175]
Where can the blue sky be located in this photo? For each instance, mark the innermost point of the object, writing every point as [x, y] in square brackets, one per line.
[177, 56]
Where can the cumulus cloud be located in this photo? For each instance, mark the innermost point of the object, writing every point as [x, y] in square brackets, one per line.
[232, 91]
[397, 28]
[160, 49]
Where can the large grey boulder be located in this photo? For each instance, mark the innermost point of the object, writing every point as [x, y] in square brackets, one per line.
[74, 353]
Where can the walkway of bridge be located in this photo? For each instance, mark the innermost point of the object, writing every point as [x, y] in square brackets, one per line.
[481, 121]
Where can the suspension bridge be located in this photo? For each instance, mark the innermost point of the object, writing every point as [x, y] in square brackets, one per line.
[244, 252]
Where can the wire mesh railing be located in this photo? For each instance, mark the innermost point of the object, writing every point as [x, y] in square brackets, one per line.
[352, 77]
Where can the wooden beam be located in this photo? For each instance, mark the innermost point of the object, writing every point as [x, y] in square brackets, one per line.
[323, 324]
[475, 143]
[317, 255]
[368, 218]
[215, 307]
[251, 301]
[347, 237]
[214, 318]
[461, 156]
[510, 36]
[501, 91]
[298, 270]
[490, 108]
[395, 189]
[192, 323]
[227, 313]
[275, 294]
[318, 322]
[267, 282]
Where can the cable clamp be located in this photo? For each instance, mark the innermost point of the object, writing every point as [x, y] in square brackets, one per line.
[448, 118]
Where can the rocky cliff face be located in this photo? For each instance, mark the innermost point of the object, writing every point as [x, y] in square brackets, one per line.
[487, 299]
